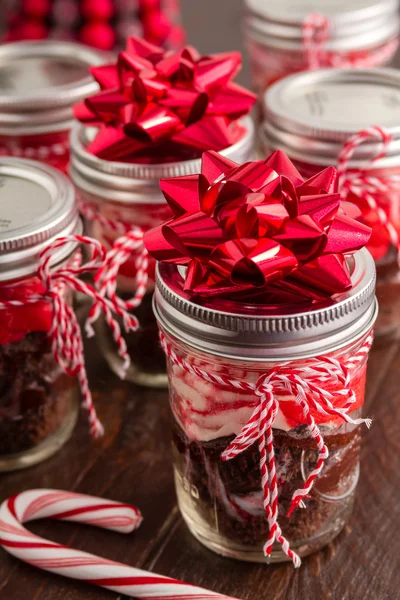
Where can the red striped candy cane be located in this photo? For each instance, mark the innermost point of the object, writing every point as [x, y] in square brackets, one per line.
[65, 333]
[366, 187]
[75, 564]
[307, 385]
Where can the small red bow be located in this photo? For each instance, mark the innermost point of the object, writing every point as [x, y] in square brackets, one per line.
[157, 106]
[258, 229]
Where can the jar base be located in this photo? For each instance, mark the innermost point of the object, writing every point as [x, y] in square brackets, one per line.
[211, 539]
[134, 374]
[48, 447]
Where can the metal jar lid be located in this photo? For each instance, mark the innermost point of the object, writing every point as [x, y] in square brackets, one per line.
[354, 24]
[133, 182]
[262, 333]
[37, 205]
[310, 115]
[40, 82]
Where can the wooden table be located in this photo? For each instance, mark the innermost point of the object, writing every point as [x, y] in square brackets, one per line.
[132, 464]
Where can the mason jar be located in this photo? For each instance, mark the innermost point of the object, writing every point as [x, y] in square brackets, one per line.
[287, 36]
[39, 84]
[311, 116]
[125, 195]
[218, 353]
[38, 401]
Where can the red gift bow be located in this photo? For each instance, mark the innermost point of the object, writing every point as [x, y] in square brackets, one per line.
[258, 229]
[165, 104]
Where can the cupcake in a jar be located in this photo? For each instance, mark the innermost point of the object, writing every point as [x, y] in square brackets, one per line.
[266, 325]
[288, 36]
[39, 84]
[322, 118]
[154, 116]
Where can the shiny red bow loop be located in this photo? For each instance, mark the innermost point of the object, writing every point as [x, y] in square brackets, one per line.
[174, 103]
[65, 333]
[258, 227]
[372, 194]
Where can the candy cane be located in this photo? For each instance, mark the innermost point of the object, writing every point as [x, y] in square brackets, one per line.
[75, 564]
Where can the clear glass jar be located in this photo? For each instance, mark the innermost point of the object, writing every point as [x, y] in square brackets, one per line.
[222, 501]
[40, 82]
[125, 195]
[38, 402]
[314, 139]
[275, 37]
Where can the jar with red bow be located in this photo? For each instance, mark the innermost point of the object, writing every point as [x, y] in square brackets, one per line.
[284, 37]
[154, 116]
[266, 325]
[322, 118]
[40, 82]
[38, 401]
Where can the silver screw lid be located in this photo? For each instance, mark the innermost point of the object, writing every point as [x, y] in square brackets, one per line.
[263, 333]
[41, 81]
[355, 24]
[133, 182]
[37, 205]
[310, 115]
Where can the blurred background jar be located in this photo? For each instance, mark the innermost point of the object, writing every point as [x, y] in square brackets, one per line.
[286, 36]
[38, 401]
[222, 501]
[310, 116]
[39, 84]
[119, 196]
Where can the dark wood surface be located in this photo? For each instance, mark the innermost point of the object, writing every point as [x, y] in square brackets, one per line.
[132, 464]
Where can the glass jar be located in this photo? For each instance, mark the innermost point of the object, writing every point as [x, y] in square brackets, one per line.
[222, 501]
[38, 401]
[313, 135]
[117, 196]
[40, 82]
[284, 37]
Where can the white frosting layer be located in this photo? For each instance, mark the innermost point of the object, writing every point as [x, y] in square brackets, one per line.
[205, 415]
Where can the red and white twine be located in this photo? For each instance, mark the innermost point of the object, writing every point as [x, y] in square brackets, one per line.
[320, 384]
[366, 187]
[129, 243]
[65, 333]
[75, 564]
[316, 33]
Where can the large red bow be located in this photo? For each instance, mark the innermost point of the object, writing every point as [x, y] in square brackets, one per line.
[157, 106]
[259, 230]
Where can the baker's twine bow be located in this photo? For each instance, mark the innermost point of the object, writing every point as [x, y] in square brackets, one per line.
[129, 242]
[309, 387]
[366, 187]
[317, 31]
[65, 333]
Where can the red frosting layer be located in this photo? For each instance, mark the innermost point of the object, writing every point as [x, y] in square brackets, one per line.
[17, 321]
